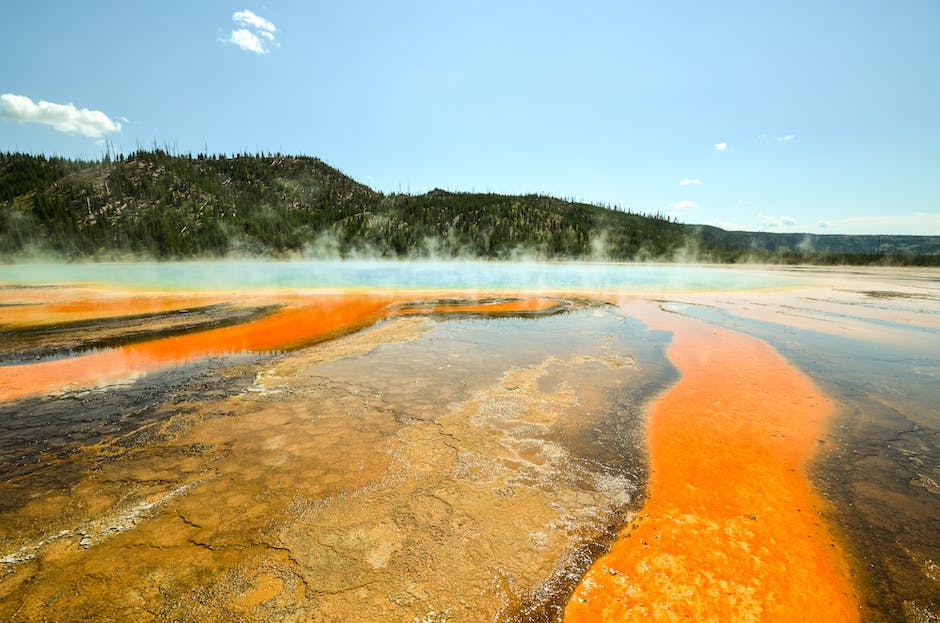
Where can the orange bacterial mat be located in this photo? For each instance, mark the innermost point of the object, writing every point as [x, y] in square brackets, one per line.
[732, 529]
[303, 320]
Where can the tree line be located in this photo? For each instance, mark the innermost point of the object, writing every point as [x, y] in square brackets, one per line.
[154, 204]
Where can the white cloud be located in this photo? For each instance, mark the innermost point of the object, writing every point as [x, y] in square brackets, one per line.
[247, 18]
[776, 221]
[255, 34]
[722, 146]
[690, 182]
[247, 40]
[683, 205]
[786, 139]
[62, 117]
[919, 223]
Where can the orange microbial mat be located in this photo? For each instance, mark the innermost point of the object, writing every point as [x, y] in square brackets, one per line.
[732, 530]
[302, 320]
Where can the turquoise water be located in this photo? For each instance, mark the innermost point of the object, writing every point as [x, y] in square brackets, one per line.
[256, 274]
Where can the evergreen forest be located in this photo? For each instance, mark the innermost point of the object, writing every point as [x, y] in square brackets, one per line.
[152, 204]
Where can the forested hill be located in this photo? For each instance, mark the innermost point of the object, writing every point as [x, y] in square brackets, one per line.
[152, 204]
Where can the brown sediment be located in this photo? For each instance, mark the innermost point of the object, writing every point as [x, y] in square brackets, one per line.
[349, 482]
[890, 294]
[732, 529]
[490, 307]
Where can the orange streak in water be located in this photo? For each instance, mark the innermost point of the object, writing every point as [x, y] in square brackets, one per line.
[730, 531]
[300, 323]
[45, 312]
[304, 320]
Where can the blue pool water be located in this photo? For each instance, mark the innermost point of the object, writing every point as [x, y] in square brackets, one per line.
[257, 274]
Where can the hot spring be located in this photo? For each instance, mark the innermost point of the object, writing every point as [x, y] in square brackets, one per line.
[467, 441]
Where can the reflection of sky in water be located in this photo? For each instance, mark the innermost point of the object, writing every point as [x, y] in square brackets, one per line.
[851, 364]
[461, 355]
[883, 322]
[904, 375]
[485, 347]
[388, 274]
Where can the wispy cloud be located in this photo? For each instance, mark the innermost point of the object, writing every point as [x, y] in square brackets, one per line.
[728, 225]
[690, 182]
[252, 20]
[768, 139]
[683, 205]
[776, 221]
[919, 223]
[62, 117]
[254, 33]
[722, 146]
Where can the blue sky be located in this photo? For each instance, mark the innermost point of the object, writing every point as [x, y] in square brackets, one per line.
[827, 111]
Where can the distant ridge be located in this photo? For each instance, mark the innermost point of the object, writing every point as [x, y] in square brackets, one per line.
[152, 204]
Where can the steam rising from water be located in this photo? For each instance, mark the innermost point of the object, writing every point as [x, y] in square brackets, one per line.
[463, 275]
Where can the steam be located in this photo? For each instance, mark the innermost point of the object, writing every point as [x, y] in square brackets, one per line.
[244, 275]
[807, 245]
[330, 245]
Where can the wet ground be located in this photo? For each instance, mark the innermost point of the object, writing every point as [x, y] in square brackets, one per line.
[460, 459]
[470, 456]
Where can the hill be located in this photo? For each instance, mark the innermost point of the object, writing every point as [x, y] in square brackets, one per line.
[821, 248]
[157, 205]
